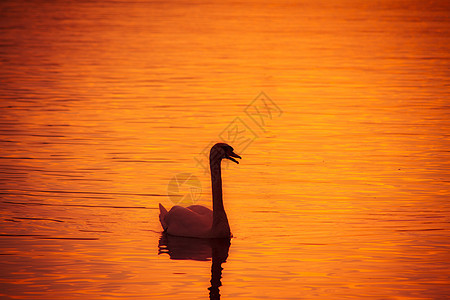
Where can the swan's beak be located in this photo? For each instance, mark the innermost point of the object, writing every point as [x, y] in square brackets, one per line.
[231, 155]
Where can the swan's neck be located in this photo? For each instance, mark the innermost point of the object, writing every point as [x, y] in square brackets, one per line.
[220, 221]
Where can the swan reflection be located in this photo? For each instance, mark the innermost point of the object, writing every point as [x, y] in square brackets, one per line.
[184, 248]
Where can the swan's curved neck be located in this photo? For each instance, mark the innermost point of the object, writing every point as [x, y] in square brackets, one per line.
[220, 220]
[216, 183]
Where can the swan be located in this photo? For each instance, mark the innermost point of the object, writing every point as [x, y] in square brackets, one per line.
[196, 220]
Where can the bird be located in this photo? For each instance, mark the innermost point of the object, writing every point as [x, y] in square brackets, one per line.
[197, 220]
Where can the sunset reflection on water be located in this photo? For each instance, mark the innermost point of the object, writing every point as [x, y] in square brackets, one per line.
[342, 192]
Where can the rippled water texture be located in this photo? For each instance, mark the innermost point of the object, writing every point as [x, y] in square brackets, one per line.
[108, 106]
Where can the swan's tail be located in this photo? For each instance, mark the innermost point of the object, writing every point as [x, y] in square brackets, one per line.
[162, 216]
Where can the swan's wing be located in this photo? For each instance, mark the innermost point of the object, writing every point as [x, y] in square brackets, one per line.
[183, 221]
[200, 209]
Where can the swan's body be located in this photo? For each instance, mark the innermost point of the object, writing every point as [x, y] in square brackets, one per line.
[192, 221]
[196, 220]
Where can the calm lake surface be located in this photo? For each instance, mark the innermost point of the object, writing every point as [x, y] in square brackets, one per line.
[109, 106]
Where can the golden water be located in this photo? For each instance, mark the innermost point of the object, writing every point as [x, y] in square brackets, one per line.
[343, 187]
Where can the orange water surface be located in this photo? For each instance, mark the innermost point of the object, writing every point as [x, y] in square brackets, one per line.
[339, 109]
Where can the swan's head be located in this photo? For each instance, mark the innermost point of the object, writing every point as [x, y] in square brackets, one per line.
[221, 150]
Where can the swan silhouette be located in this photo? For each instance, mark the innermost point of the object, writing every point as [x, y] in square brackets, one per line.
[196, 220]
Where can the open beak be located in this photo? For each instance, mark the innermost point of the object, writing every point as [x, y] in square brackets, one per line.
[231, 155]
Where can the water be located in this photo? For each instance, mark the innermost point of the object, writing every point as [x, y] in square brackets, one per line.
[342, 192]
